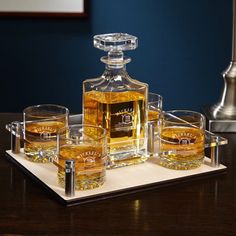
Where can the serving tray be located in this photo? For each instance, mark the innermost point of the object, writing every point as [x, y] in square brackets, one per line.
[120, 181]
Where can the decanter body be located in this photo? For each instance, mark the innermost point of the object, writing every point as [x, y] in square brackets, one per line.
[118, 103]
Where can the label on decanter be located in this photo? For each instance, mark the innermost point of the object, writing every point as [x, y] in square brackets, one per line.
[122, 117]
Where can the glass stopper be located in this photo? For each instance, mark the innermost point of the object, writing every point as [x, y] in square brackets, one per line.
[115, 42]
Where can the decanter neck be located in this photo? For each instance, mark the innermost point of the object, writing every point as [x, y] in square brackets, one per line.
[116, 56]
[115, 60]
[115, 70]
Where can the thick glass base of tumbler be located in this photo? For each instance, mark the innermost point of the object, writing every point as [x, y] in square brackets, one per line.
[180, 165]
[85, 182]
[39, 152]
[89, 183]
[36, 157]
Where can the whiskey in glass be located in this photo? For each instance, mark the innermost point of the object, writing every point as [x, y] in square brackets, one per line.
[41, 123]
[86, 145]
[182, 139]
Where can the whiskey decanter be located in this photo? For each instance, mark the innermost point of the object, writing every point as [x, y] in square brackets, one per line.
[117, 102]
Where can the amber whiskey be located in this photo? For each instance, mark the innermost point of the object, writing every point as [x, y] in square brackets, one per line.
[118, 103]
[89, 165]
[182, 144]
[121, 114]
[41, 124]
[40, 138]
[153, 115]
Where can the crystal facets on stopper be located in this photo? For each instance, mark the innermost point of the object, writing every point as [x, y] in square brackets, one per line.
[115, 42]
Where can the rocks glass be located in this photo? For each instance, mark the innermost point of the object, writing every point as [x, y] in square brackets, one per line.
[86, 146]
[41, 123]
[154, 110]
[182, 139]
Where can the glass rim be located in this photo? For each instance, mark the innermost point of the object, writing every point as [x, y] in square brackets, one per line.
[159, 99]
[172, 113]
[103, 135]
[46, 105]
[156, 95]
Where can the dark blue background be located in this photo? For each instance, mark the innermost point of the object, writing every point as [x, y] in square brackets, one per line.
[184, 45]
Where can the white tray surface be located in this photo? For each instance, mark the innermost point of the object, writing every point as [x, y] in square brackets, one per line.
[119, 179]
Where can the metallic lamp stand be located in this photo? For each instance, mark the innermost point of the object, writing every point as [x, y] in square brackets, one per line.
[222, 116]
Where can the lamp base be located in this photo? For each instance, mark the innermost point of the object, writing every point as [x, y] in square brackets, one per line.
[218, 125]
